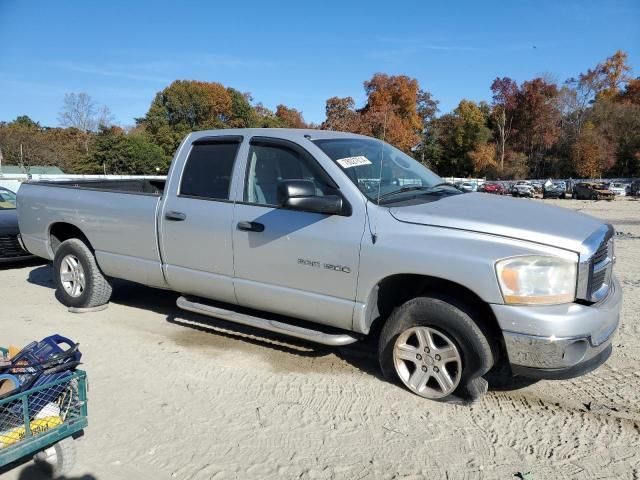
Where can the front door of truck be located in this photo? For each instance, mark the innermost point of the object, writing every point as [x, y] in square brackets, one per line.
[296, 263]
[196, 221]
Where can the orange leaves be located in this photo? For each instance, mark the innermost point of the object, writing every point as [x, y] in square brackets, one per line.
[590, 152]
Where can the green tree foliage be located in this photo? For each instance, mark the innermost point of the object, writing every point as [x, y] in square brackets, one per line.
[118, 153]
[461, 135]
[243, 115]
[22, 142]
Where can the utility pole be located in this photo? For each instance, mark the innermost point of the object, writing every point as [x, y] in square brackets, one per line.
[1, 162]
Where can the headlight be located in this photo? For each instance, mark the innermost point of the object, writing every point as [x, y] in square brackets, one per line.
[537, 280]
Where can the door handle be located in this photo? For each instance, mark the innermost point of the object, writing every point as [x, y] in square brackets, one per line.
[250, 226]
[175, 216]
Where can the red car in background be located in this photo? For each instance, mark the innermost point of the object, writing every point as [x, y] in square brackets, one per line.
[496, 188]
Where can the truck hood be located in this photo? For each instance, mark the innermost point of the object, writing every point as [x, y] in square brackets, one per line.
[522, 219]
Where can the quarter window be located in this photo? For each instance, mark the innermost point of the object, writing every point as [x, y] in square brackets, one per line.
[207, 173]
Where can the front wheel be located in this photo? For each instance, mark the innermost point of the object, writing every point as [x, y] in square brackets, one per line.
[79, 281]
[434, 348]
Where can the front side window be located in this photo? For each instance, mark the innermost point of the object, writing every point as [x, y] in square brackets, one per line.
[7, 200]
[383, 173]
[268, 165]
[207, 173]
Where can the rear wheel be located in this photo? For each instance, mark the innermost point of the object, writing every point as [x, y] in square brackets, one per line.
[79, 281]
[434, 348]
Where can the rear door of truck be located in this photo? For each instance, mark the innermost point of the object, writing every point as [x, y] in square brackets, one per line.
[196, 219]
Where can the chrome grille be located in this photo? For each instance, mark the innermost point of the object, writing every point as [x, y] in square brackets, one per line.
[601, 268]
[601, 254]
[10, 248]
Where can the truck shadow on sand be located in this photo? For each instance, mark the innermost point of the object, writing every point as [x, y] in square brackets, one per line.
[208, 333]
[283, 353]
[32, 472]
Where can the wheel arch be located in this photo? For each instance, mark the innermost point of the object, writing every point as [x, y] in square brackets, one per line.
[61, 231]
[394, 290]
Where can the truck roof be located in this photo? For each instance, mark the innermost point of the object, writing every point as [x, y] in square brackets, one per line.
[285, 133]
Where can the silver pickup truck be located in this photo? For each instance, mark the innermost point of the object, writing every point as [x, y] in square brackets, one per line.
[332, 237]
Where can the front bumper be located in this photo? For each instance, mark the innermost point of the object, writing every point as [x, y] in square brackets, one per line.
[560, 341]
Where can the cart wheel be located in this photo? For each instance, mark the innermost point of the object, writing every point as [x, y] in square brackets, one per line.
[58, 459]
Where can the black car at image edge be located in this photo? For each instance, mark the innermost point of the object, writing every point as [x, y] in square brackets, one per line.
[10, 249]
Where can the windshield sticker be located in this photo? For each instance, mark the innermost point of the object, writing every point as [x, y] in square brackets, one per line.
[350, 162]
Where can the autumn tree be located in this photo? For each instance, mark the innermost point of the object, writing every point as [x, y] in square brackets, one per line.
[631, 93]
[619, 125]
[290, 117]
[186, 106]
[590, 152]
[341, 115]
[536, 121]
[483, 158]
[391, 110]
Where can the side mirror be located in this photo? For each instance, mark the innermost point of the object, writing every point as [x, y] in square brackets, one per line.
[301, 195]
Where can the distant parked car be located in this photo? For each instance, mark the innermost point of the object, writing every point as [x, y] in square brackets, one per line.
[10, 248]
[495, 188]
[554, 190]
[468, 187]
[537, 187]
[522, 188]
[592, 191]
[618, 188]
[634, 188]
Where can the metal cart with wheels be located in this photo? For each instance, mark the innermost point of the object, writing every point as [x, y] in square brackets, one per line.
[42, 422]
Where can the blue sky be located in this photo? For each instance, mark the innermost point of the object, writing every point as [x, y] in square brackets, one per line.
[298, 53]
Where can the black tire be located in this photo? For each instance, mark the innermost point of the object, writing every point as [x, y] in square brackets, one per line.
[97, 289]
[455, 321]
[58, 460]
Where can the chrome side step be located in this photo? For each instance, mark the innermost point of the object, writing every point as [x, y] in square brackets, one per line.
[308, 334]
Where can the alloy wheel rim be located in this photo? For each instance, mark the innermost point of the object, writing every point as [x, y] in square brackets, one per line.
[72, 276]
[427, 361]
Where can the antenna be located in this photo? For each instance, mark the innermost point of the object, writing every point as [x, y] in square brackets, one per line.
[384, 133]
[374, 235]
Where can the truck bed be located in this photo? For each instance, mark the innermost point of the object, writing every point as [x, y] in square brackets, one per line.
[118, 217]
[134, 185]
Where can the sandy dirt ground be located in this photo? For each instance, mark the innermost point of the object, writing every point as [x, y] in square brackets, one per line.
[178, 396]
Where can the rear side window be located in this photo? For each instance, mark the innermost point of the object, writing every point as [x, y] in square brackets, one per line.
[207, 173]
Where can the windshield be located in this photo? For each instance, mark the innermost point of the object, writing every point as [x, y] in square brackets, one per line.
[377, 168]
[7, 199]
